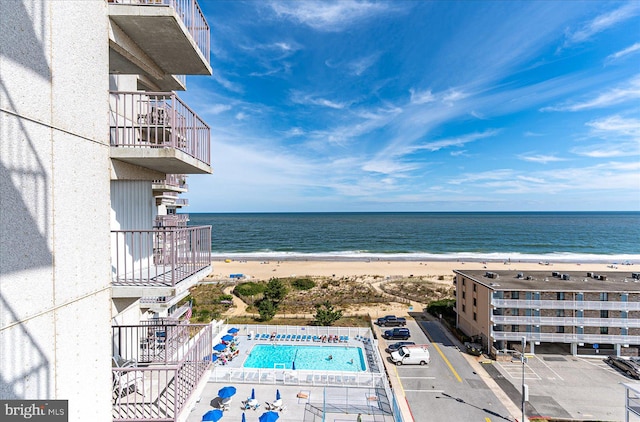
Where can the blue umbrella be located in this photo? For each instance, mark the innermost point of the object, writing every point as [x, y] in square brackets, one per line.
[227, 338]
[269, 417]
[212, 415]
[226, 392]
[253, 394]
[277, 394]
[293, 365]
[219, 347]
[232, 330]
[243, 418]
[212, 358]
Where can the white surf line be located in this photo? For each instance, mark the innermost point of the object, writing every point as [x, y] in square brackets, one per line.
[545, 364]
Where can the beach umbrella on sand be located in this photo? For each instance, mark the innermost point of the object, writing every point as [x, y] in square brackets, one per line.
[277, 394]
[253, 394]
[227, 338]
[232, 330]
[226, 392]
[219, 347]
[244, 419]
[212, 415]
[269, 417]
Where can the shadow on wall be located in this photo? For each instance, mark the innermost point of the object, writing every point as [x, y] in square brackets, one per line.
[25, 372]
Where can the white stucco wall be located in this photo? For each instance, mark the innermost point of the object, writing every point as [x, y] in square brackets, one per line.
[55, 308]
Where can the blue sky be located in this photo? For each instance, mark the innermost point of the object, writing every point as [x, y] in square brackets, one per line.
[420, 106]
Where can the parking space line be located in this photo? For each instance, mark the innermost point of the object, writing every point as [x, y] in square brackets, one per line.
[447, 362]
[424, 391]
[545, 364]
[515, 371]
[418, 378]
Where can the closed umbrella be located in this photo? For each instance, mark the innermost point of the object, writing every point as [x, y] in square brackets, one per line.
[244, 419]
[212, 415]
[293, 365]
[227, 338]
[232, 330]
[219, 347]
[277, 394]
[253, 394]
[226, 392]
[269, 417]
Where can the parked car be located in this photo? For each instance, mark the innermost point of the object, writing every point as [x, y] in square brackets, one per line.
[411, 355]
[395, 346]
[397, 334]
[391, 321]
[629, 367]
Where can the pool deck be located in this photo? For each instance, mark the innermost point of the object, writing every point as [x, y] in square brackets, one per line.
[347, 393]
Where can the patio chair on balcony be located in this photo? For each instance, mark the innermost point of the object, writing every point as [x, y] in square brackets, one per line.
[126, 382]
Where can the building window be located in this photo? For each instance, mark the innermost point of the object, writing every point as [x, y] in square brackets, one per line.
[515, 328]
[604, 330]
[604, 296]
[464, 308]
[515, 295]
[604, 314]
[463, 295]
[463, 281]
[560, 313]
[475, 316]
[475, 302]
[515, 312]
[560, 296]
[560, 329]
[475, 287]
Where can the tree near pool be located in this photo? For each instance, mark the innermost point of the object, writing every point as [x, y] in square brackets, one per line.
[326, 315]
[276, 291]
[267, 310]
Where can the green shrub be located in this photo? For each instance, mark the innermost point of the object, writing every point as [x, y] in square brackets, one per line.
[303, 284]
[249, 289]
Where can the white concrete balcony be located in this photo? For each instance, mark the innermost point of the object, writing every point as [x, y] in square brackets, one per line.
[566, 321]
[159, 39]
[171, 183]
[566, 337]
[565, 304]
[158, 131]
[159, 262]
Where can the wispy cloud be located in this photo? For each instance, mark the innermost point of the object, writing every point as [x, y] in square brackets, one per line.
[541, 158]
[622, 53]
[627, 92]
[621, 136]
[215, 109]
[331, 16]
[602, 23]
[298, 97]
[421, 97]
[455, 142]
[234, 87]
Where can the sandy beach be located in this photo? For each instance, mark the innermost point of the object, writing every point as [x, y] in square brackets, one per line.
[264, 270]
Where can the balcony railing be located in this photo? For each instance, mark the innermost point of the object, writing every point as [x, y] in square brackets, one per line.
[163, 365]
[566, 337]
[566, 321]
[159, 257]
[565, 304]
[191, 15]
[158, 120]
[177, 181]
[183, 202]
[172, 220]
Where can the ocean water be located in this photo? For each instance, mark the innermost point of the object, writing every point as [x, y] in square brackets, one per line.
[532, 236]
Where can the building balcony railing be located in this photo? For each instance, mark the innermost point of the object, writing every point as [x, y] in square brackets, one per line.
[182, 202]
[173, 182]
[172, 220]
[159, 257]
[565, 304]
[566, 321]
[142, 28]
[566, 337]
[144, 122]
[156, 368]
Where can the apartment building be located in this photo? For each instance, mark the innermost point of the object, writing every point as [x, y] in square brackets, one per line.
[581, 313]
[95, 148]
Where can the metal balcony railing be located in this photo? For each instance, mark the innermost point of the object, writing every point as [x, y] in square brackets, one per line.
[172, 220]
[565, 304]
[566, 321]
[158, 120]
[191, 15]
[182, 202]
[156, 368]
[178, 181]
[566, 337]
[159, 257]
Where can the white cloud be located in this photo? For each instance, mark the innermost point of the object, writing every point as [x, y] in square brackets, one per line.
[241, 116]
[329, 16]
[621, 138]
[622, 53]
[530, 134]
[421, 97]
[311, 99]
[215, 109]
[227, 84]
[359, 66]
[617, 125]
[540, 158]
[627, 92]
[602, 23]
[454, 142]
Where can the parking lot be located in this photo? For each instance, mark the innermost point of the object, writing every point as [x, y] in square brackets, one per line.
[561, 386]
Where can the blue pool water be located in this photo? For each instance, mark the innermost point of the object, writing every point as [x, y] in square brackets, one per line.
[344, 358]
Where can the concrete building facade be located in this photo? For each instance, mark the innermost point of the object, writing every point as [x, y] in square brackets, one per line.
[579, 313]
[95, 146]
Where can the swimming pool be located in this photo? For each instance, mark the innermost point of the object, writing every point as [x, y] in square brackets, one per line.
[320, 358]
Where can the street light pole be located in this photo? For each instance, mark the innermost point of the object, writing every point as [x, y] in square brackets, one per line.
[522, 358]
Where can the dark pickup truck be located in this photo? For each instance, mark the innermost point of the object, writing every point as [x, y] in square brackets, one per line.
[391, 321]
